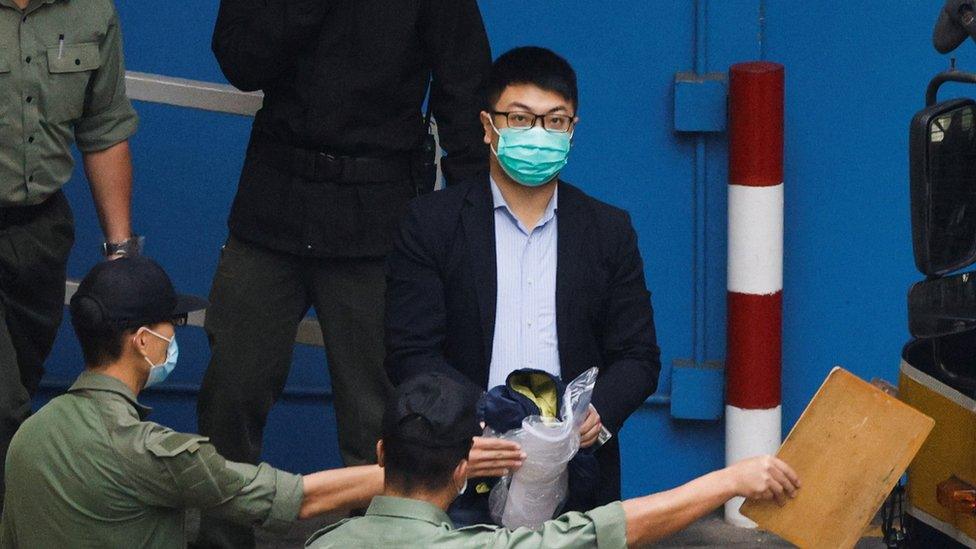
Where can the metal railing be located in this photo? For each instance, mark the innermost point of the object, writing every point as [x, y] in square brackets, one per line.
[193, 94]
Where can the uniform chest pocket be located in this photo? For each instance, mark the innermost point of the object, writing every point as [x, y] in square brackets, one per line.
[5, 83]
[70, 68]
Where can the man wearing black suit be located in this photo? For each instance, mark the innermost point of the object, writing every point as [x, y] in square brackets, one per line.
[525, 271]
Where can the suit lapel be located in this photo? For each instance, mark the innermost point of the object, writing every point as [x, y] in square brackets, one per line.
[571, 230]
[478, 219]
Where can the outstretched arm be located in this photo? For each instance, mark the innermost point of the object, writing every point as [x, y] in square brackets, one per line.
[340, 489]
[657, 516]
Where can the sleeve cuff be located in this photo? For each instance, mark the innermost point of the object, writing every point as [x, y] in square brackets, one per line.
[611, 525]
[100, 131]
[289, 493]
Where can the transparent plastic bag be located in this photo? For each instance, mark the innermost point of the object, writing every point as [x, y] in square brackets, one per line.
[534, 493]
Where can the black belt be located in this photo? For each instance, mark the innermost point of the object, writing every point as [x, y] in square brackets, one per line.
[323, 166]
[19, 215]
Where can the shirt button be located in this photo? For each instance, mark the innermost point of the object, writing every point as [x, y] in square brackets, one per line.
[30, 139]
[308, 247]
[30, 179]
[29, 99]
[28, 59]
[530, 282]
[530, 324]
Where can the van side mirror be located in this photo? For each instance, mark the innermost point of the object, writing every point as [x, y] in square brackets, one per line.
[942, 151]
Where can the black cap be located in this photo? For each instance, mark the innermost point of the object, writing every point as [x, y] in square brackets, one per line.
[130, 292]
[433, 410]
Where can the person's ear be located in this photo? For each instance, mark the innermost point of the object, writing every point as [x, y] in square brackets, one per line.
[486, 124]
[461, 472]
[140, 341]
[380, 455]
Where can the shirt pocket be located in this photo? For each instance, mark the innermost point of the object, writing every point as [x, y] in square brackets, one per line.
[70, 68]
[6, 83]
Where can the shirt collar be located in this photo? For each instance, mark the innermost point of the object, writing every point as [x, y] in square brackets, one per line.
[31, 6]
[388, 506]
[498, 201]
[92, 381]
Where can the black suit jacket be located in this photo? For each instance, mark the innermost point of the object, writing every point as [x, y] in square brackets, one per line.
[442, 289]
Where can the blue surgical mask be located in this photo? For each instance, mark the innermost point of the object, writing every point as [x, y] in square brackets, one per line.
[159, 372]
[534, 156]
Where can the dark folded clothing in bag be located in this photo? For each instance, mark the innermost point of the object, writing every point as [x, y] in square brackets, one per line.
[526, 393]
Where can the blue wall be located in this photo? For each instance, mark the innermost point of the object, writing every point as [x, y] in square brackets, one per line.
[852, 86]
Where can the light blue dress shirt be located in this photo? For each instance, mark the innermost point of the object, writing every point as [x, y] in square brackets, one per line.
[525, 308]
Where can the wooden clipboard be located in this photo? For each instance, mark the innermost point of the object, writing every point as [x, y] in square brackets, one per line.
[849, 448]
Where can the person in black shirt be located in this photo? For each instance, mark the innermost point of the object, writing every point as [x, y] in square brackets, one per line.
[337, 150]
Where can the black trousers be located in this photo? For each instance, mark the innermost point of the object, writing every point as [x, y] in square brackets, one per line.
[258, 298]
[35, 242]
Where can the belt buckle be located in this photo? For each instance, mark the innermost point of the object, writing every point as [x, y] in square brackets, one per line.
[327, 166]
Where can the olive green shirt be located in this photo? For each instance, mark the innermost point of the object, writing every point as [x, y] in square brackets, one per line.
[398, 522]
[62, 79]
[87, 471]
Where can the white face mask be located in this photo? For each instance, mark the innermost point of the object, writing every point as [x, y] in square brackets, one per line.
[159, 372]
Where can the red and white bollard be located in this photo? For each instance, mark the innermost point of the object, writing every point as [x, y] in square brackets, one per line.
[755, 270]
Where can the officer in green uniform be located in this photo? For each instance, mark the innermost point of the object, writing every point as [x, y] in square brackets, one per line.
[61, 81]
[427, 432]
[88, 470]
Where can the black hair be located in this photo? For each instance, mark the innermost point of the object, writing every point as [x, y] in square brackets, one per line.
[101, 340]
[411, 466]
[540, 67]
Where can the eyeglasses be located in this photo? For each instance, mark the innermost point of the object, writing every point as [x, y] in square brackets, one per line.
[520, 120]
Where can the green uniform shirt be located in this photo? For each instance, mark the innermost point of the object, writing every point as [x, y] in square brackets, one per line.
[398, 522]
[62, 79]
[87, 471]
